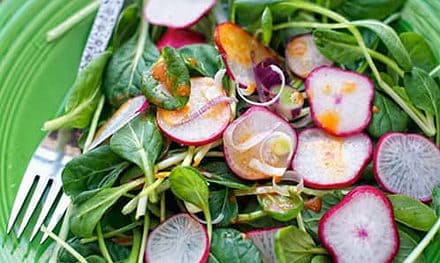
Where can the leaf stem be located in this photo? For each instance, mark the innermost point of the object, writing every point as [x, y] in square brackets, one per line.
[189, 156]
[300, 222]
[208, 219]
[424, 243]
[144, 237]
[170, 161]
[135, 248]
[243, 218]
[163, 210]
[94, 124]
[435, 72]
[113, 233]
[64, 245]
[101, 243]
[72, 21]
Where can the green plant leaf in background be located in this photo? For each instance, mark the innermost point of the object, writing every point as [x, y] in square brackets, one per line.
[419, 50]
[375, 9]
[432, 250]
[229, 245]
[406, 245]
[266, 25]
[127, 25]
[223, 203]
[387, 117]
[83, 98]
[423, 91]
[187, 184]
[202, 58]
[219, 173]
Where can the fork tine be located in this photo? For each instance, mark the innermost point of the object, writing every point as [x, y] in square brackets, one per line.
[23, 190]
[62, 206]
[48, 203]
[39, 190]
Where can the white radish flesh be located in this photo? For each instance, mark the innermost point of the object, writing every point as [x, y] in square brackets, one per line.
[407, 164]
[326, 161]
[360, 228]
[340, 100]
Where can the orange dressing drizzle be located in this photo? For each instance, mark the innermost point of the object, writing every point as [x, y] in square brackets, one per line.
[329, 120]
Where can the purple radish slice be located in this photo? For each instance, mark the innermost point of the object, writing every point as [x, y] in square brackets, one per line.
[259, 144]
[203, 119]
[407, 164]
[325, 161]
[264, 241]
[240, 51]
[178, 38]
[176, 14]
[125, 113]
[303, 55]
[179, 239]
[289, 104]
[360, 228]
[340, 100]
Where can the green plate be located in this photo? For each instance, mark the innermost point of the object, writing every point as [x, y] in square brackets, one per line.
[34, 78]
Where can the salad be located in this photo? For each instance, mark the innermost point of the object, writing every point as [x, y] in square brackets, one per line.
[258, 131]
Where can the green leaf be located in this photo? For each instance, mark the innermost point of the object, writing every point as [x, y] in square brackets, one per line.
[391, 40]
[281, 208]
[321, 259]
[127, 25]
[83, 97]
[436, 199]
[187, 184]
[266, 25]
[122, 79]
[406, 246]
[223, 203]
[202, 58]
[86, 174]
[419, 50]
[294, 246]
[387, 117]
[229, 245]
[423, 91]
[167, 83]
[412, 212]
[431, 252]
[219, 173]
[374, 9]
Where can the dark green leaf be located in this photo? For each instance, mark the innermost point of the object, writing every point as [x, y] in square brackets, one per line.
[124, 72]
[374, 9]
[127, 25]
[223, 203]
[83, 96]
[432, 254]
[391, 40]
[249, 11]
[321, 259]
[219, 173]
[202, 58]
[423, 91]
[229, 245]
[281, 208]
[406, 246]
[419, 50]
[88, 173]
[436, 199]
[293, 245]
[412, 212]
[95, 259]
[167, 83]
[266, 25]
[387, 117]
[188, 185]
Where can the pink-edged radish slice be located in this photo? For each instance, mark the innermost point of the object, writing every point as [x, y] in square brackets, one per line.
[289, 103]
[326, 161]
[203, 119]
[407, 164]
[240, 51]
[178, 38]
[303, 56]
[259, 144]
[264, 241]
[125, 113]
[179, 239]
[360, 228]
[176, 14]
[340, 100]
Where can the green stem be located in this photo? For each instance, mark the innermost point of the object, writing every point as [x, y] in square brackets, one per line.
[317, 251]
[189, 156]
[173, 160]
[151, 188]
[243, 218]
[162, 207]
[133, 258]
[300, 221]
[64, 245]
[101, 243]
[64, 233]
[300, 24]
[208, 219]
[144, 237]
[424, 243]
[72, 21]
[94, 124]
[149, 174]
[435, 72]
[113, 233]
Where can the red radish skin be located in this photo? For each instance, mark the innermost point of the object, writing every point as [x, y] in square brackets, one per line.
[260, 238]
[435, 163]
[235, 46]
[327, 146]
[177, 14]
[204, 129]
[239, 161]
[205, 240]
[345, 115]
[178, 38]
[372, 209]
[303, 56]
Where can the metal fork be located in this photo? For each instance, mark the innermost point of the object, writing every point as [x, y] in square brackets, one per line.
[54, 151]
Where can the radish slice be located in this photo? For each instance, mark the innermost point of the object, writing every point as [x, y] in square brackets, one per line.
[178, 38]
[240, 51]
[176, 14]
[259, 144]
[179, 239]
[264, 241]
[186, 127]
[303, 56]
[325, 161]
[360, 228]
[289, 104]
[125, 113]
[340, 100]
[407, 164]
